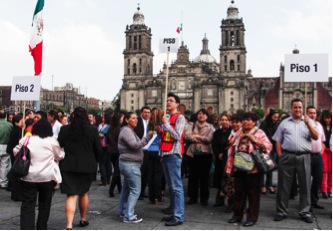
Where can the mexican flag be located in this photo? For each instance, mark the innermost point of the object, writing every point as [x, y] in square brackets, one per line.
[36, 40]
[180, 28]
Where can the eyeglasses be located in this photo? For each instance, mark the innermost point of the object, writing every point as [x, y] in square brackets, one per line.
[170, 100]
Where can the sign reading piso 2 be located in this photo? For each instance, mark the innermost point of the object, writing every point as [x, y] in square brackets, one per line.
[25, 88]
[306, 68]
[168, 45]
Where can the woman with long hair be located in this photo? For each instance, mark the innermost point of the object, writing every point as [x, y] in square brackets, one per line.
[78, 169]
[269, 126]
[104, 160]
[113, 151]
[326, 185]
[130, 161]
[43, 175]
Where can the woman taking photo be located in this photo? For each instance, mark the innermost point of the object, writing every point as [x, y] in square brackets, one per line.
[130, 161]
[247, 184]
[78, 169]
[200, 134]
[43, 175]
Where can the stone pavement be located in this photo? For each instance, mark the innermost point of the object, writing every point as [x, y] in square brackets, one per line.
[103, 214]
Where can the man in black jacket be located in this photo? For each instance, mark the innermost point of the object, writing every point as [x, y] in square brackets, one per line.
[142, 130]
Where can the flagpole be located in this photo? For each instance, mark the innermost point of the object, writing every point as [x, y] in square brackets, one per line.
[23, 116]
[181, 20]
[166, 81]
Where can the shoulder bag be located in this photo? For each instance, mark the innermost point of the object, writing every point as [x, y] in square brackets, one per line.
[243, 162]
[263, 161]
[21, 164]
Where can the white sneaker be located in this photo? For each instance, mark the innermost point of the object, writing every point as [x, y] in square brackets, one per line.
[134, 221]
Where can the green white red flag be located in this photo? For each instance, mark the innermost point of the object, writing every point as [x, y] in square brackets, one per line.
[180, 28]
[36, 39]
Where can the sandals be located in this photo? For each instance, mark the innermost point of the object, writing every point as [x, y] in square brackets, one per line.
[271, 190]
[264, 190]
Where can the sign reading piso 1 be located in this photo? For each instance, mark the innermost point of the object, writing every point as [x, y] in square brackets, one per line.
[26, 88]
[169, 45]
[306, 68]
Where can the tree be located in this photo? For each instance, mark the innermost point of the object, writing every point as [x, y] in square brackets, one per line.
[116, 103]
[260, 112]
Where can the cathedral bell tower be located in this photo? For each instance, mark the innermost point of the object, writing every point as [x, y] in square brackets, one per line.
[233, 92]
[138, 64]
[232, 50]
[138, 57]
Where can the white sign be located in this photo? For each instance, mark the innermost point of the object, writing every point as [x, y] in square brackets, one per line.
[306, 68]
[26, 88]
[169, 45]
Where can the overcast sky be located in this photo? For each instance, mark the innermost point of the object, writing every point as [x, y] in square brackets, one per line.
[84, 39]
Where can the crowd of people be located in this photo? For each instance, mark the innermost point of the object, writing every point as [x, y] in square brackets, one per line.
[155, 152]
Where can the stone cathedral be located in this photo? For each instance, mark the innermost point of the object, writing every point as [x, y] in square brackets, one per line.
[226, 86]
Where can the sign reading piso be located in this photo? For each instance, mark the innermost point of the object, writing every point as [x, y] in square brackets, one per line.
[25, 88]
[306, 68]
[169, 45]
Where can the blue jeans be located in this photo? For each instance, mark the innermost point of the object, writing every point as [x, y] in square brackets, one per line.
[172, 170]
[131, 188]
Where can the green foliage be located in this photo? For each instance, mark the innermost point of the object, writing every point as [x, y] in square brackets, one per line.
[108, 111]
[260, 112]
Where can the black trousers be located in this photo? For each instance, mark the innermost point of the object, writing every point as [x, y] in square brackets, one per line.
[115, 180]
[155, 175]
[144, 172]
[247, 186]
[199, 177]
[29, 192]
[105, 166]
[317, 166]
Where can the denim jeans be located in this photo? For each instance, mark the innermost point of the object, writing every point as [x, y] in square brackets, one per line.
[172, 170]
[131, 188]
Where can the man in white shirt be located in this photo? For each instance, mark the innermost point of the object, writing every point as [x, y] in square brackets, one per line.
[52, 117]
[142, 130]
[317, 165]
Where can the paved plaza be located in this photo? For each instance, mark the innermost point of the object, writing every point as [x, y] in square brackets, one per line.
[103, 214]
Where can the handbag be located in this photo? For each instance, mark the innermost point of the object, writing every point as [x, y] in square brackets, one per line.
[21, 164]
[243, 162]
[104, 144]
[263, 161]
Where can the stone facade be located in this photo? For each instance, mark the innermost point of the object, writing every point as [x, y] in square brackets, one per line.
[203, 82]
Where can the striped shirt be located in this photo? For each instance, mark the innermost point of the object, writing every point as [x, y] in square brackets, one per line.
[294, 136]
[317, 145]
[176, 134]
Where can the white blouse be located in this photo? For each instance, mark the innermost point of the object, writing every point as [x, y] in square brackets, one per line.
[44, 153]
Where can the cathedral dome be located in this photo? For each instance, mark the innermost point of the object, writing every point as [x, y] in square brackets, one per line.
[232, 11]
[205, 55]
[138, 18]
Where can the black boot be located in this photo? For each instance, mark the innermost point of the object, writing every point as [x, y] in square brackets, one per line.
[230, 207]
[219, 201]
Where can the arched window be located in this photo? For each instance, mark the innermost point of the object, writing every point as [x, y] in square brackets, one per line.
[232, 65]
[134, 68]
